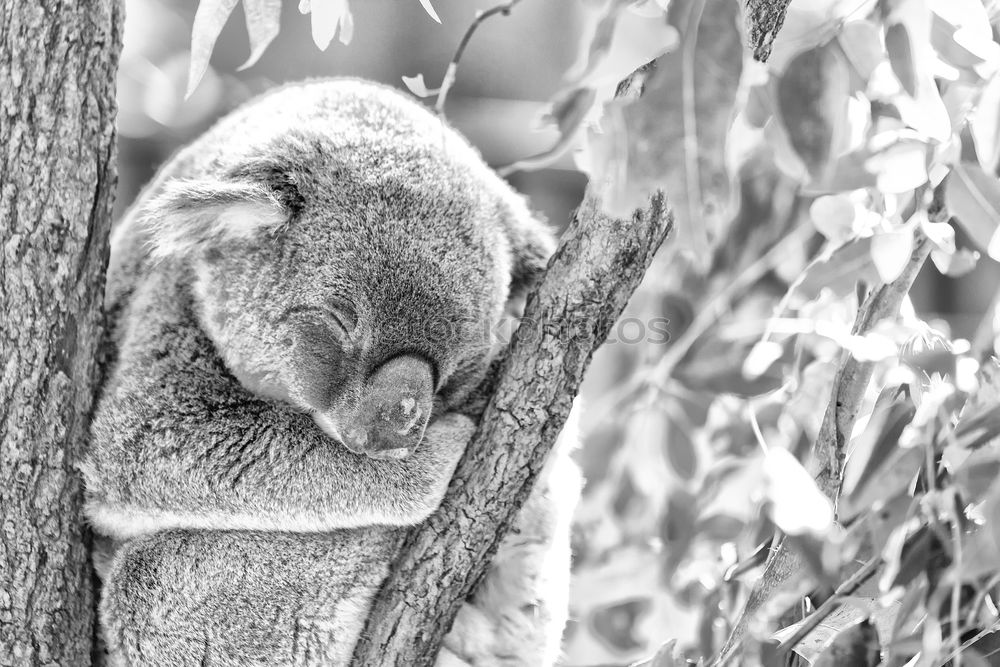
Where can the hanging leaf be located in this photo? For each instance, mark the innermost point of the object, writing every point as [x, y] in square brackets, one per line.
[961, 35]
[968, 152]
[429, 8]
[977, 427]
[862, 45]
[889, 516]
[761, 357]
[810, 549]
[896, 475]
[985, 125]
[263, 19]
[975, 475]
[620, 42]
[897, 44]
[820, 639]
[720, 527]
[209, 20]
[891, 252]
[870, 451]
[973, 197]
[677, 528]
[950, 51]
[717, 367]
[840, 272]
[417, 86]
[327, 17]
[796, 504]
[758, 108]
[848, 172]
[666, 656]
[973, 658]
[916, 552]
[633, 41]
[901, 166]
[941, 234]
[812, 104]
[910, 608]
[569, 112]
[908, 28]
[680, 448]
[833, 216]
[857, 646]
[616, 624]
[955, 264]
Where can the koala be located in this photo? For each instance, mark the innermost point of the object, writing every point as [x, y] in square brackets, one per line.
[301, 306]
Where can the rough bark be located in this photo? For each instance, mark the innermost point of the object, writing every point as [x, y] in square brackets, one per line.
[58, 62]
[764, 19]
[596, 268]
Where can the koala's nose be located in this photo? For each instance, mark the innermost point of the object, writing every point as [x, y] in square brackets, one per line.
[397, 406]
[355, 439]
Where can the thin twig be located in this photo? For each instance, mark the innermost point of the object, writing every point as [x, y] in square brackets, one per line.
[853, 376]
[969, 642]
[849, 387]
[755, 425]
[856, 580]
[956, 587]
[449, 75]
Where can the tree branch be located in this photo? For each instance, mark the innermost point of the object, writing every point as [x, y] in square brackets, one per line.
[452, 71]
[849, 387]
[848, 588]
[599, 263]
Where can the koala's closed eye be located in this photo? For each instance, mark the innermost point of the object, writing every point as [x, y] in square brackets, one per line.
[341, 320]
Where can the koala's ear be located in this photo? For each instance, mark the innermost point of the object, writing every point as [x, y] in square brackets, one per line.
[531, 244]
[186, 214]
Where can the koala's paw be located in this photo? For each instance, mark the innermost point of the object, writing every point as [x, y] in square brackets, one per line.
[423, 478]
[446, 438]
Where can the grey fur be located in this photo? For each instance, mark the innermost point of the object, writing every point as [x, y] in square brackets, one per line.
[278, 284]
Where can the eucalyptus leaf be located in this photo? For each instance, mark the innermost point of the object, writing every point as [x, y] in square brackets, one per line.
[209, 20]
[973, 197]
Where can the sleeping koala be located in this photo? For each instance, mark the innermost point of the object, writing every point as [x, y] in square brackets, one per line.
[301, 304]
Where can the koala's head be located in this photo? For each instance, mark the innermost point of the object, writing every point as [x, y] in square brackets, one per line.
[367, 300]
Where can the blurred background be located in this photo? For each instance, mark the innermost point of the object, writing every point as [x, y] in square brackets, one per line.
[511, 69]
[624, 601]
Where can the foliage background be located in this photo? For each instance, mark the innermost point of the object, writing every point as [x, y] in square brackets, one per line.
[805, 182]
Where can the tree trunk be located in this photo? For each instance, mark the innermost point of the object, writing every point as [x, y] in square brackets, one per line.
[58, 61]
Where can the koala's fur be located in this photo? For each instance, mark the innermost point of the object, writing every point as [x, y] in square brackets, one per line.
[262, 293]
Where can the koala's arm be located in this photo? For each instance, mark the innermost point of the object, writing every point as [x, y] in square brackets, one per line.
[249, 598]
[398, 492]
[334, 490]
[141, 480]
